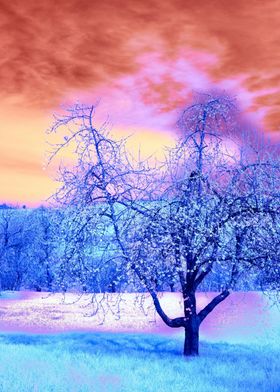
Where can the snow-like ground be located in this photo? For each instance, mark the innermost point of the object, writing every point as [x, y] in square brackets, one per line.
[244, 317]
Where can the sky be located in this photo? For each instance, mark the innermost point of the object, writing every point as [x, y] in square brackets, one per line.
[140, 60]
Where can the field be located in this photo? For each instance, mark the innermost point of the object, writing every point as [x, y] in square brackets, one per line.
[47, 344]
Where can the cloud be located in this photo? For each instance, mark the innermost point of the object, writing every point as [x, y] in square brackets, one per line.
[54, 47]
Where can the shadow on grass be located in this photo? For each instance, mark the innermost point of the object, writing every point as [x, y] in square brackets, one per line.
[98, 342]
[136, 345]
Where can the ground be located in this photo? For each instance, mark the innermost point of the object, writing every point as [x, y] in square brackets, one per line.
[47, 344]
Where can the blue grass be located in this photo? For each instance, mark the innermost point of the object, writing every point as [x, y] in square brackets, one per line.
[88, 362]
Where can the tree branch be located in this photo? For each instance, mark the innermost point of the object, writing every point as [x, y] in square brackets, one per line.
[208, 308]
[173, 323]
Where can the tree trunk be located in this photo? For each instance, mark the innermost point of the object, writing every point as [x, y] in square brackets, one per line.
[191, 324]
[191, 344]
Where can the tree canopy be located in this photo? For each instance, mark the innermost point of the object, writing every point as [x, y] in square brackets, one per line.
[211, 208]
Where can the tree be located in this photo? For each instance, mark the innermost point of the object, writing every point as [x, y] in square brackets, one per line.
[182, 224]
[43, 252]
[214, 212]
[14, 241]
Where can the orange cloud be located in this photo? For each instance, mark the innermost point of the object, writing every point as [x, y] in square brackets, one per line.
[50, 47]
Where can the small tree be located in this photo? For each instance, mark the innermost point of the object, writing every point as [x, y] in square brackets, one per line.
[180, 226]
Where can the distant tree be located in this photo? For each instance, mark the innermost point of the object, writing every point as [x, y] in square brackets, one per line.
[43, 251]
[201, 216]
[4, 206]
[14, 240]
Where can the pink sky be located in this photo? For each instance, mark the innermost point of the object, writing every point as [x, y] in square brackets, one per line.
[141, 59]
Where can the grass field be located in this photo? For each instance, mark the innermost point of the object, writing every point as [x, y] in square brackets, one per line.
[141, 358]
[132, 363]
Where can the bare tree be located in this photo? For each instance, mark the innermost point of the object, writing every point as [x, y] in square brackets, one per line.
[104, 188]
[175, 226]
[212, 217]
